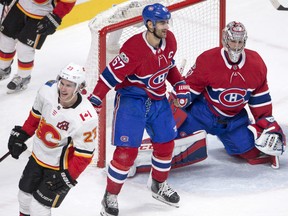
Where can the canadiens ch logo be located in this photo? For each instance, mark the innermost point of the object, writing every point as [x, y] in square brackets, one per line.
[158, 79]
[232, 97]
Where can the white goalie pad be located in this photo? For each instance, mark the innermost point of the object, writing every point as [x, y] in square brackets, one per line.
[270, 143]
[187, 150]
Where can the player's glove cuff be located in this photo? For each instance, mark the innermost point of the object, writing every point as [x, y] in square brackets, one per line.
[183, 95]
[59, 181]
[48, 24]
[96, 102]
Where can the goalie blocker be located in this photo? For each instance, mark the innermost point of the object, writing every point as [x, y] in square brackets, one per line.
[189, 150]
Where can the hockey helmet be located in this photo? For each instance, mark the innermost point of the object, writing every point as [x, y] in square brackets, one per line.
[74, 73]
[155, 12]
[235, 32]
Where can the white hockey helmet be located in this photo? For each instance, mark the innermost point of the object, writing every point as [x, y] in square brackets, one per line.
[74, 73]
[236, 32]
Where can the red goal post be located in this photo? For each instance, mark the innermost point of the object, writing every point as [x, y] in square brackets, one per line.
[196, 24]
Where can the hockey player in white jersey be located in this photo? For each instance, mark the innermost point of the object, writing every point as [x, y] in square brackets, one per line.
[25, 25]
[64, 124]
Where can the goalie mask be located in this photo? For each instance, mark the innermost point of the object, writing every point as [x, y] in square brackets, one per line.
[155, 13]
[234, 37]
[73, 73]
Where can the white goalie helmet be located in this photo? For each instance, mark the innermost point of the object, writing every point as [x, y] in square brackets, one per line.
[234, 32]
[74, 73]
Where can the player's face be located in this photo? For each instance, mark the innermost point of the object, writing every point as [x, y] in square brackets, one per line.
[161, 28]
[235, 45]
[66, 90]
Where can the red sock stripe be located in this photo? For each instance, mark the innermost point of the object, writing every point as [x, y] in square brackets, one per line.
[25, 65]
[7, 56]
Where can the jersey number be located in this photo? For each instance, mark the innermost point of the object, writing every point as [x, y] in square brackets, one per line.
[90, 136]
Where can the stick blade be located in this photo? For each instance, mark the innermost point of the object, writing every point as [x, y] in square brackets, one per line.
[277, 5]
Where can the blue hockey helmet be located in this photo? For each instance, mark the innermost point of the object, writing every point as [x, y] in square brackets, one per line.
[155, 12]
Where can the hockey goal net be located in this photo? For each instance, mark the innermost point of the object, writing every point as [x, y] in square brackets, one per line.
[197, 26]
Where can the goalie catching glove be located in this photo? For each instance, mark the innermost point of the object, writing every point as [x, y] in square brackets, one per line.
[269, 137]
[48, 24]
[182, 93]
[16, 143]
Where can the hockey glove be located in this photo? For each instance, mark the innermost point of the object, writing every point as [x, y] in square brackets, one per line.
[59, 182]
[48, 24]
[96, 102]
[183, 95]
[16, 143]
[5, 2]
[178, 114]
[268, 135]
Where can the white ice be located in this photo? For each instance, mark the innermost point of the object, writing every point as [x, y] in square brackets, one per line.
[218, 186]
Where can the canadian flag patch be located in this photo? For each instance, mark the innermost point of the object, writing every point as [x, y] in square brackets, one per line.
[85, 115]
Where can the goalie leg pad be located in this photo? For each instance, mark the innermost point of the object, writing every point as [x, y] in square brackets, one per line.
[188, 150]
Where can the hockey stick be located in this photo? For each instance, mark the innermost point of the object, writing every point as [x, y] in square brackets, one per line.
[2, 13]
[278, 6]
[4, 156]
[182, 66]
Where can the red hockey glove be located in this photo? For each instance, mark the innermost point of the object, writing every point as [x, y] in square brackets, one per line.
[183, 95]
[268, 135]
[96, 102]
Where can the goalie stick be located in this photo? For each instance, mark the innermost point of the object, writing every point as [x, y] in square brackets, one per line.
[278, 6]
[4, 156]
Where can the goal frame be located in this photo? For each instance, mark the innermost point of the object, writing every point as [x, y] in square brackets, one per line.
[101, 159]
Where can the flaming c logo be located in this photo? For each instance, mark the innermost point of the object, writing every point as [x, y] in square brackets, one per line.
[48, 134]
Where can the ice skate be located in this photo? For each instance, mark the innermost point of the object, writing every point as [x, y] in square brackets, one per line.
[110, 205]
[164, 193]
[4, 74]
[264, 158]
[18, 84]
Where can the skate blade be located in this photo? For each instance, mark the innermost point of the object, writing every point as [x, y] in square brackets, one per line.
[275, 163]
[10, 91]
[161, 199]
[103, 213]
[4, 77]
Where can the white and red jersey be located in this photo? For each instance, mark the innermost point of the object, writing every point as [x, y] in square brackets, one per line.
[64, 137]
[38, 8]
[229, 87]
[141, 65]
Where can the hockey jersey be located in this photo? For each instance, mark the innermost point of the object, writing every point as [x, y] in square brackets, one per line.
[64, 137]
[38, 8]
[141, 65]
[229, 87]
